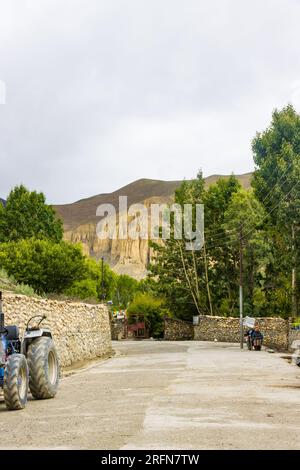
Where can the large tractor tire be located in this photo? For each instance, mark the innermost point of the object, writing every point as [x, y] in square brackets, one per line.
[15, 385]
[43, 368]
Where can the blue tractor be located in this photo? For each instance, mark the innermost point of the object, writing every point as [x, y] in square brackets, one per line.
[27, 363]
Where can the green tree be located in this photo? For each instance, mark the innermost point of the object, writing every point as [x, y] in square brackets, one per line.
[44, 265]
[153, 309]
[243, 220]
[200, 281]
[276, 183]
[180, 273]
[85, 289]
[94, 272]
[110, 279]
[124, 290]
[27, 215]
[221, 263]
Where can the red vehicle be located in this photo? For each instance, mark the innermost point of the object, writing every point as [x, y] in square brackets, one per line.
[137, 327]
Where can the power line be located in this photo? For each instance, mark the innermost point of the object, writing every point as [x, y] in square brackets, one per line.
[250, 231]
[220, 234]
[264, 218]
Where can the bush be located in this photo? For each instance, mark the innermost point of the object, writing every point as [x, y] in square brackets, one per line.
[94, 272]
[25, 289]
[153, 310]
[85, 289]
[9, 283]
[44, 265]
[124, 290]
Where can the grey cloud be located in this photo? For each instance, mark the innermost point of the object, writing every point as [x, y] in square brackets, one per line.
[101, 93]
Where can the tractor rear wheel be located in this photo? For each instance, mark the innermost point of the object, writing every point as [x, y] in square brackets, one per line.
[15, 385]
[43, 368]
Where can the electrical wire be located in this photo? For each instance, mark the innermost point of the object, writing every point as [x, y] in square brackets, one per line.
[250, 231]
[220, 234]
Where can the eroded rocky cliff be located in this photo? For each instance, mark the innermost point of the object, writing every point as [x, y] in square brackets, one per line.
[124, 256]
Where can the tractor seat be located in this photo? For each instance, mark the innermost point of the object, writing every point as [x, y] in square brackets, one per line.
[13, 333]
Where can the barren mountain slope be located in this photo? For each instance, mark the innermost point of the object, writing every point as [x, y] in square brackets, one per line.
[124, 256]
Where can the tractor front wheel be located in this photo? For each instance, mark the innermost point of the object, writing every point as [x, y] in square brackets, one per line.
[43, 368]
[15, 385]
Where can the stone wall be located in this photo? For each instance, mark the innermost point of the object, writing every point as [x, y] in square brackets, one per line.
[176, 330]
[80, 331]
[117, 330]
[227, 329]
[223, 329]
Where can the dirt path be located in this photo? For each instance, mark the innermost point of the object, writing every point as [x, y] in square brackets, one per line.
[167, 395]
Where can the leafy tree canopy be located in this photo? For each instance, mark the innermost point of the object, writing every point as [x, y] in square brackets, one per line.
[153, 311]
[27, 215]
[44, 265]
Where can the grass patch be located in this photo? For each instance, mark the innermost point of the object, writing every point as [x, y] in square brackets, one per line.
[9, 283]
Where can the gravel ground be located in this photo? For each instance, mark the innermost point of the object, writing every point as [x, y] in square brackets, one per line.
[174, 395]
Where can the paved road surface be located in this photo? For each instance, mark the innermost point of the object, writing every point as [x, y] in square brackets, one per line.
[176, 395]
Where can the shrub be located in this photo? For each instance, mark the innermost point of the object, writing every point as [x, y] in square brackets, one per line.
[94, 272]
[44, 265]
[124, 291]
[25, 289]
[153, 310]
[9, 283]
[84, 289]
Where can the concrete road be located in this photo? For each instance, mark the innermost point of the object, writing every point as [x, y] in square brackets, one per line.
[174, 395]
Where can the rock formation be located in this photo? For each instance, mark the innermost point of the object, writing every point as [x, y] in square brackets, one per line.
[124, 256]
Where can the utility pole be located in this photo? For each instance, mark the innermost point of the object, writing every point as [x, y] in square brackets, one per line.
[294, 298]
[206, 279]
[241, 288]
[102, 279]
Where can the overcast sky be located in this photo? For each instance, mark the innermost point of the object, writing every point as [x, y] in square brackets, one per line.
[102, 92]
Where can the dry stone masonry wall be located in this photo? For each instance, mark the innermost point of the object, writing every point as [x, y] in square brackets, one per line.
[176, 330]
[276, 331]
[227, 329]
[81, 331]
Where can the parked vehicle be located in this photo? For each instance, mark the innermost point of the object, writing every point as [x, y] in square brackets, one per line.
[254, 339]
[27, 363]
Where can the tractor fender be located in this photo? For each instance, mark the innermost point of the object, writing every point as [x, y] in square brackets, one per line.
[37, 333]
[30, 335]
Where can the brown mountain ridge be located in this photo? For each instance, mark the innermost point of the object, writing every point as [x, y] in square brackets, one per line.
[124, 256]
